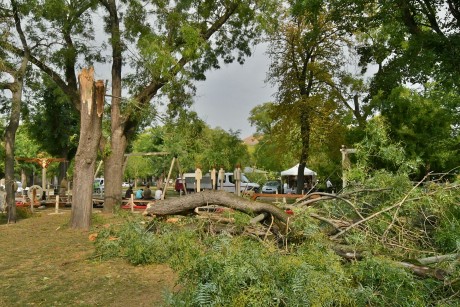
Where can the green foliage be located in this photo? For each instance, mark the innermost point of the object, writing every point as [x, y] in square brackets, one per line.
[56, 135]
[425, 124]
[377, 153]
[380, 282]
[238, 271]
[447, 230]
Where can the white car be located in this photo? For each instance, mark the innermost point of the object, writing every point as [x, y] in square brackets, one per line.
[125, 184]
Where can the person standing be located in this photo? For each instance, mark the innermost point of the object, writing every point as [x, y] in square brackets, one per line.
[329, 186]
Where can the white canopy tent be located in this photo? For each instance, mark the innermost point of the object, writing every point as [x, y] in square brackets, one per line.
[288, 177]
[293, 171]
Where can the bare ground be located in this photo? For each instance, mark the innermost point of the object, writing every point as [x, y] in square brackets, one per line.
[44, 263]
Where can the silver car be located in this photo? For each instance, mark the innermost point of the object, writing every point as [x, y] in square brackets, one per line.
[272, 187]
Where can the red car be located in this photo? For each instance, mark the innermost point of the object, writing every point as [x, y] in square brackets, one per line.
[179, 185]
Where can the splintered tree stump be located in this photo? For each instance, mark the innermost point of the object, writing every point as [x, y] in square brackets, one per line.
[186, 204]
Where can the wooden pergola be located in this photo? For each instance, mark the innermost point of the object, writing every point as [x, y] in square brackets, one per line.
[44, 163]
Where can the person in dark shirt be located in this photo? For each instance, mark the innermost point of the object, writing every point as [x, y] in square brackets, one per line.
[129, 192]
[147, 192]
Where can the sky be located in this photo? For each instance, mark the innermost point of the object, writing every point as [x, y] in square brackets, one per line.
[227, 96]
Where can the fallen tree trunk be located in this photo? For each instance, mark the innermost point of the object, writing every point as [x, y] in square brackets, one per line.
[186, 204]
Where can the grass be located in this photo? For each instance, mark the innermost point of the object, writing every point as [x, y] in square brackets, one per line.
[45, 263]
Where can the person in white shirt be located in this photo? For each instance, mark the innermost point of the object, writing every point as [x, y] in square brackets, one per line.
[329, 186]
[158, 194]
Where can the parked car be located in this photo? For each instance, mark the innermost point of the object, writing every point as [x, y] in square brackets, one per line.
[272, 187]
[228, 183]
[125, 184]
[179, 185]
[18, 184]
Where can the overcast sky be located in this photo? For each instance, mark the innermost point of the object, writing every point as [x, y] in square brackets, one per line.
[228, 94]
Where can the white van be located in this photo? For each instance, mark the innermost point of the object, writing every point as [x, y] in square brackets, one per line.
[245, 185]
[227, 185]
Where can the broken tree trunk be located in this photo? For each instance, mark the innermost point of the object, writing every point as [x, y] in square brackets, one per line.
[189, 202]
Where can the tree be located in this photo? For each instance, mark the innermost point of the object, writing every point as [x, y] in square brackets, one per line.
[92, 99]
[306, 55]
[415, 45]
[425, 124]
[181, 44]
[270, 152]
[223, 149]
[188, 38]
[57, 136]
[16, 68]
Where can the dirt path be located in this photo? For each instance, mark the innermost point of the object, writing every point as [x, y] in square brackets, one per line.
[43, 263]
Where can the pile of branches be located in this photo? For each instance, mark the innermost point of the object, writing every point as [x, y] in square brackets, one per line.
[377, 221]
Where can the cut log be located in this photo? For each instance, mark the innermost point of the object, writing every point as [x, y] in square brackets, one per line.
[186, 204]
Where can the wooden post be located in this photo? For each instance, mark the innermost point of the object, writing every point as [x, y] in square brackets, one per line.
[56, 209]
[221, 178]
[167, 179]
[237, 178]
[198, 176]
[43, 178]
[32, 201]
[213, 178]
[132, 203]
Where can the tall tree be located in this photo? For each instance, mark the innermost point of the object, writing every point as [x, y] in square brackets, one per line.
[307, 58]
[176, 42]
[415, 44]
[61, 35]
[173, 42]
[16, 69]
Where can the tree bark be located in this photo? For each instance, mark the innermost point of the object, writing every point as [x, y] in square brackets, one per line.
[186, 204]
[113, 163]
[10, 136]
[10, 132]
[85, 159]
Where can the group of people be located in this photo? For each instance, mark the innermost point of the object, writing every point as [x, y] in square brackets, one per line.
[144, 193]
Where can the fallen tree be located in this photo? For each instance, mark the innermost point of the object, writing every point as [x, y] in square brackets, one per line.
[186, 204]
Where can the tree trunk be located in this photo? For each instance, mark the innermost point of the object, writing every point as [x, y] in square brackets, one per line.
[85, 160]
[305, 129]
[10, 136]
[113, 171]
[10, 132]
[63, 166]
[113, 163]
[186, 204]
